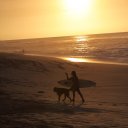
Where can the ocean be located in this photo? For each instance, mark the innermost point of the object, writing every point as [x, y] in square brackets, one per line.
[106, 48]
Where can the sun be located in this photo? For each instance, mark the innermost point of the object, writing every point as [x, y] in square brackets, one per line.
[77, 7]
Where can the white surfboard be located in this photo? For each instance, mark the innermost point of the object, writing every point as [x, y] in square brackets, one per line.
[83, 83]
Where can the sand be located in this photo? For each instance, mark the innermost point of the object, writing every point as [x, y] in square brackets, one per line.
[27, 99]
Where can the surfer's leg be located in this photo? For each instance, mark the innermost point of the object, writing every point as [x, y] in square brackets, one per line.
[73, 96]
[79, 92]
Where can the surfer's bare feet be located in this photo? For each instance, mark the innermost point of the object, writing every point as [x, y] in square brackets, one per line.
[83, 101]
[72, 101]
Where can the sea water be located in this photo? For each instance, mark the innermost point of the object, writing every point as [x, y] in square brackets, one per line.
[107, 48]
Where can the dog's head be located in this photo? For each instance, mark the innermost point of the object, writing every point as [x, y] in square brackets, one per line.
[55, 89]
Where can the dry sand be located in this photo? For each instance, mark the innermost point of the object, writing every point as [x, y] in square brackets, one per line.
[27, 99]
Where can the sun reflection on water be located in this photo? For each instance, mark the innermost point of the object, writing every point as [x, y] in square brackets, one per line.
[80, 46]
[79, 50]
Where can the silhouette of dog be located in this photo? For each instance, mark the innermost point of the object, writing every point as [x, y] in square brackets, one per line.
[62, 91]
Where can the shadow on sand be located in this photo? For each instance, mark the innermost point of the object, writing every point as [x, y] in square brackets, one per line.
[11, 106]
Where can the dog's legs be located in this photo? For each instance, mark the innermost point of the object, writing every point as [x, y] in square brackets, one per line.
[59, 98]
[64, 98]
[68, 96]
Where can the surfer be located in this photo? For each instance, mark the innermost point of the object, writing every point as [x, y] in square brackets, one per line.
[75, 85]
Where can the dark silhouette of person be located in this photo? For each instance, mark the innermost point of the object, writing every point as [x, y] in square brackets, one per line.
[75, 85]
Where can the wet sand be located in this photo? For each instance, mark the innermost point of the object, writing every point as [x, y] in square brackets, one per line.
[27, 99]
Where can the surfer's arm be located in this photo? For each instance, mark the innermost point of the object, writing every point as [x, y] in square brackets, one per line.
[67, 76]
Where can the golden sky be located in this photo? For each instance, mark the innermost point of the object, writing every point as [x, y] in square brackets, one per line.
[48, 18]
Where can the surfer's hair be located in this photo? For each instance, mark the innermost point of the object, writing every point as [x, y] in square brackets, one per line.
[73, 73]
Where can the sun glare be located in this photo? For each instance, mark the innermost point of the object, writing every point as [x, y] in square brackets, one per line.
[76, 59]
[78, 7]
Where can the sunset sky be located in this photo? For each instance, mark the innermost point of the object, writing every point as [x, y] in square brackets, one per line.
[49, 18]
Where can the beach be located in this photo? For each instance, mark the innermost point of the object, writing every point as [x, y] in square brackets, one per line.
[27, 99]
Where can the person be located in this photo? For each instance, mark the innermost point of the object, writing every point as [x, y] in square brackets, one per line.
[75, 85]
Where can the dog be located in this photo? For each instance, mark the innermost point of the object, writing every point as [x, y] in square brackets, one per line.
[62, 91]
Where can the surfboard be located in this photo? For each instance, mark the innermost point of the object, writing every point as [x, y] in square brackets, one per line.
[83, 83]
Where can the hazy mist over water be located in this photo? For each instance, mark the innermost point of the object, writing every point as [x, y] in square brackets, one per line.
[102, 47]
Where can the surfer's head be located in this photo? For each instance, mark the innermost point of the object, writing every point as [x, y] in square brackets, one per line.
[73, 73]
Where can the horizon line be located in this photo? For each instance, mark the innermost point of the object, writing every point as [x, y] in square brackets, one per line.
[64, 36]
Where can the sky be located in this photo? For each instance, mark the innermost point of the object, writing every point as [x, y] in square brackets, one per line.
[21, 19]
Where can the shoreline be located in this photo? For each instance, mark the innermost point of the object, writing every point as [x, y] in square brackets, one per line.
[79, 59]
[71, 59]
